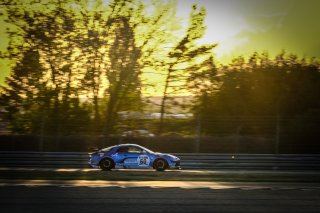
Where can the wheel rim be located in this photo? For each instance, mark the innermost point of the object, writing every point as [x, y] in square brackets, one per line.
[160, 164]
[106, 163]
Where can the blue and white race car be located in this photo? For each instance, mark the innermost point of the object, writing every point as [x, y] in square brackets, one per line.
[132, 156]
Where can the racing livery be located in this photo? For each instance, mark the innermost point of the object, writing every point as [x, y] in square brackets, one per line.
[129, 156]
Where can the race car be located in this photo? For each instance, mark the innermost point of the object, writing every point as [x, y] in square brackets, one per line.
[132, 156]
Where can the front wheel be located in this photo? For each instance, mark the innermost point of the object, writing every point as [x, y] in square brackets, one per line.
[160, 165]
[106, 164]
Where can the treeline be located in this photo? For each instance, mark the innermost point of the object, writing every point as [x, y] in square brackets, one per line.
[82, 62]
[263, 96]
[77, 64]
[264, 100]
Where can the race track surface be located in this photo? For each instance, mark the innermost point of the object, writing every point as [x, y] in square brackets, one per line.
[138, 191]
[162, 199]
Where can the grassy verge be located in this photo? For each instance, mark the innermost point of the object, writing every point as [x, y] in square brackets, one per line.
[127, 175]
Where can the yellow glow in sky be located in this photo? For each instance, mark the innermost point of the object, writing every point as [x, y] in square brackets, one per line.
[241, 27]
[223, 23]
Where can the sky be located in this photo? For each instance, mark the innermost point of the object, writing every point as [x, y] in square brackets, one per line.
[241, 27]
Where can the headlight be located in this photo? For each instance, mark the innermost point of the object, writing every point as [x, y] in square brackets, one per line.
[173, 158]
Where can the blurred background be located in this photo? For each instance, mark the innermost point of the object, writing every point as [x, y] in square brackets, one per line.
[174, 76]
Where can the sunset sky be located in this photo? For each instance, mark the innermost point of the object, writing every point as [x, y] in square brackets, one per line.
[241, 27]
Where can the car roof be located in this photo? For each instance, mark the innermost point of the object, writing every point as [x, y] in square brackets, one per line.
[131, 144]
[128, 144]
[136, 145]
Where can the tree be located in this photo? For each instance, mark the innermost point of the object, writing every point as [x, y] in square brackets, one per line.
[123, 74]
[86, 48]
[17, 104]
[118, 47]
[123, 44]
[253, 93]
[46, 38]
[183, 59]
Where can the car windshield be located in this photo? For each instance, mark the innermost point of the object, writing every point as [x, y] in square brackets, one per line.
[148, 150]
[107, 149]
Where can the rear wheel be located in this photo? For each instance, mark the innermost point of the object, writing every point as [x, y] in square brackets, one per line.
[160, 165]
[106, 164]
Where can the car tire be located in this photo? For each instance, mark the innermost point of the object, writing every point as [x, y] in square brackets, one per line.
[106, 164]
[160, 165]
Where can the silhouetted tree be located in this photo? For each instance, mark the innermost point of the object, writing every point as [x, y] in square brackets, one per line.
[46, 38]
[261, 89]
[182, 61]
[85, 49]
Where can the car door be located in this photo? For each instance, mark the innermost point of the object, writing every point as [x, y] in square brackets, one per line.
[142, 157]
[138, 158]
[133, 159]
[126, 157]
[120, 156]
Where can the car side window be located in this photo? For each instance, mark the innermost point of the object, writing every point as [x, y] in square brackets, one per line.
[133, 149]
[123, 149]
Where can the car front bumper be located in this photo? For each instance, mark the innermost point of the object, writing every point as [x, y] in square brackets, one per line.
[175, 165]
[93, 162]
[92, 165]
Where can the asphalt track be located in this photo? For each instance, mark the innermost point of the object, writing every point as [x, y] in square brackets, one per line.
[90, 196]
[156, 199]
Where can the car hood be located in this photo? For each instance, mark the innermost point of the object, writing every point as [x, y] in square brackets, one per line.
[165, 155]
